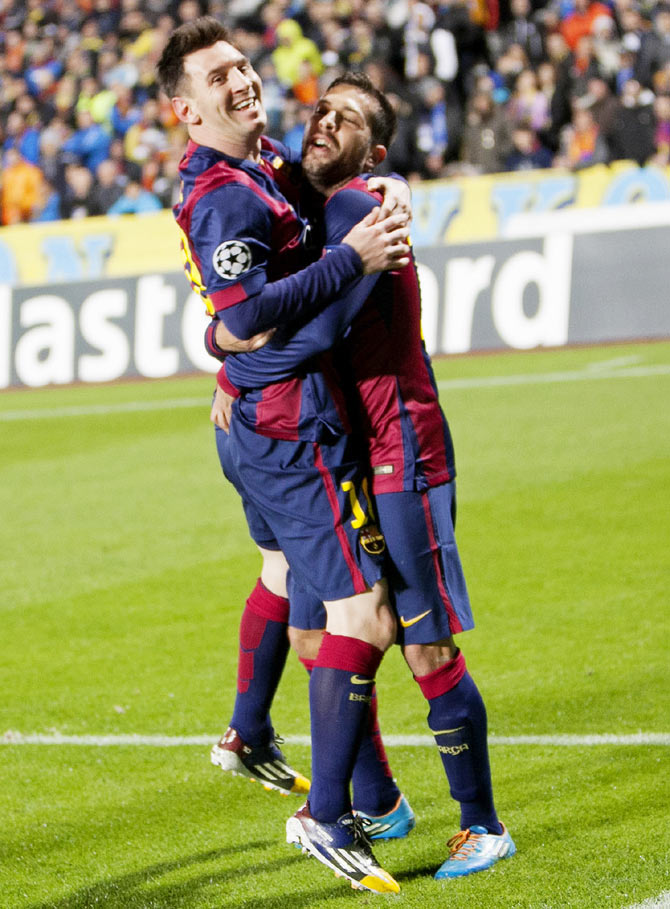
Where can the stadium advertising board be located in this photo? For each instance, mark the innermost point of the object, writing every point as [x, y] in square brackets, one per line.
[565, 278]
[101, 299]
[100, 331]
[445, 211]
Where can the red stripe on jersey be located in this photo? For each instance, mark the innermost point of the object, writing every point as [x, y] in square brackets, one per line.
[454, 623]
[360, 586]
[414, 381]
[229, 296]
[278, 411]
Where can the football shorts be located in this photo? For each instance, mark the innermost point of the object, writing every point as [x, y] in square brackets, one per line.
[260, 533]
[425, 575]
[314, 499]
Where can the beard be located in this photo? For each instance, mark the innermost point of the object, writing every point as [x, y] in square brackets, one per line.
[330, 171]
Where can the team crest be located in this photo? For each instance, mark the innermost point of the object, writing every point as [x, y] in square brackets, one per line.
[372, 539]
[231, 259]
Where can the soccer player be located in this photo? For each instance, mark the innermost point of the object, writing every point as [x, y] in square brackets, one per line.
[244, 242]
[394, 400]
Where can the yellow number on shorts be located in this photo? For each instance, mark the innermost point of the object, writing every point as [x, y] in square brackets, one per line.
[360, 517]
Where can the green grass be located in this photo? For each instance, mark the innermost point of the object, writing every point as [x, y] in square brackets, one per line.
[124, 562]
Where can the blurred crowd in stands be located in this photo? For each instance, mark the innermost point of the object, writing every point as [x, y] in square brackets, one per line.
[480, 86]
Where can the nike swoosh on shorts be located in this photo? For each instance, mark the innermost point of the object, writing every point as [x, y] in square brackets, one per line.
[407, 622]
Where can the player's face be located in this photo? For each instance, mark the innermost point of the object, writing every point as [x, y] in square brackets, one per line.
[222, 101]
[338, 142]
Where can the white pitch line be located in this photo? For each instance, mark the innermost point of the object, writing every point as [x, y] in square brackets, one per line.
[594, 371]
[94, 410]
[544, 378]
[422, 741]
[662, 901]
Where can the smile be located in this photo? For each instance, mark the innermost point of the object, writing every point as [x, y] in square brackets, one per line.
[247, 104]
[320, 142]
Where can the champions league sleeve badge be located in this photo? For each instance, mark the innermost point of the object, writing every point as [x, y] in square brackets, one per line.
[231, 259]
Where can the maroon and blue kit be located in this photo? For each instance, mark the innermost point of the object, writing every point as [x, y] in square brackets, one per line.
[394, 405]
[290, 448]
[393, 402]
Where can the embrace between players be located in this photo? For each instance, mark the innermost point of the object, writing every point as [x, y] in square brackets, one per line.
[329, 426]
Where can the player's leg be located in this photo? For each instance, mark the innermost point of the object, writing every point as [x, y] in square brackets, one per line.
[311, 496]
[263, 647]
[432, 603]
[248, 745]
[377, 801]
[358, 631]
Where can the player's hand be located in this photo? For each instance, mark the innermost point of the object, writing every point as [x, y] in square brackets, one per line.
[380, 242]
[227, 341]
[222, 408]
[397, 197]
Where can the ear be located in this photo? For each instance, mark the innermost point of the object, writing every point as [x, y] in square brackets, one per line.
[185, 111]
[375, 156]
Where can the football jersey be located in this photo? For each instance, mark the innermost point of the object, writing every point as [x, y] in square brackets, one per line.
[382, 362]
[247, 253]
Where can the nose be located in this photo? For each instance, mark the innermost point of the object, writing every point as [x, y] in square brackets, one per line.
[328, 120]
[238, 79]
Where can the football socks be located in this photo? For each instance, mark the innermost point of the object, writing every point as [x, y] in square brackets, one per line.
[457, 719]
[340, 692]
[263, 649]
[374, 789]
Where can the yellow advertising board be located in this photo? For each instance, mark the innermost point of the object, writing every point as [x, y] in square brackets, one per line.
[462, 210]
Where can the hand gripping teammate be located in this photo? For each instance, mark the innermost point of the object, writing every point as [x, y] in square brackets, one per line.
[410, 450]
[244, 243]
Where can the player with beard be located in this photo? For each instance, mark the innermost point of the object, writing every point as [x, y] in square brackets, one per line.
[246, 253]
[393, 401]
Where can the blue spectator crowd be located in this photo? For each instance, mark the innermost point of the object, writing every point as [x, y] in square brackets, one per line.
[480, 86]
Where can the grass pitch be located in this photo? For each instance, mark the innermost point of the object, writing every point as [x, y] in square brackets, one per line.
[123, 567]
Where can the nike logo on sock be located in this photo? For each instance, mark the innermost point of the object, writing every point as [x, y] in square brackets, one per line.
[357, 680]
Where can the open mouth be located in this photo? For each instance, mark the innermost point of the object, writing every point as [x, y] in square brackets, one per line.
[319, 142]
[246, 104]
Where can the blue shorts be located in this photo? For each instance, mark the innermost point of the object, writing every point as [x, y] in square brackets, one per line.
[425, 576]
[260, 533]
[306, 611]
[312, 497]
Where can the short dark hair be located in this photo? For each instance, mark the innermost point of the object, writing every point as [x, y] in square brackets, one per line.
[383, 120]
[188, 38]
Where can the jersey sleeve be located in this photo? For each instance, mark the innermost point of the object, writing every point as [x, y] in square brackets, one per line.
[280, 359]
[232, 233]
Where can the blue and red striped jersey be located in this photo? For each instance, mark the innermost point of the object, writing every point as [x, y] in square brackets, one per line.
[382, 362]
[396, 402]
[247, 253]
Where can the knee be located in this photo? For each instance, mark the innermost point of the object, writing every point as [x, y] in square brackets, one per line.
[423, 659]
[305, 642]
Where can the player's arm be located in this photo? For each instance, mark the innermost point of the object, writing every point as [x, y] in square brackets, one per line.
[234, 270]
[279, 359]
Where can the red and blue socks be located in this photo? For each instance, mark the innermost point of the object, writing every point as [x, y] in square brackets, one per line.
[457, 719]
[341, 688]
[263, 649]
[374, 790]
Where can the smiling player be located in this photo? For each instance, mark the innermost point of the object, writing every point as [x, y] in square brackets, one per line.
[393, 400]
[247, 254]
